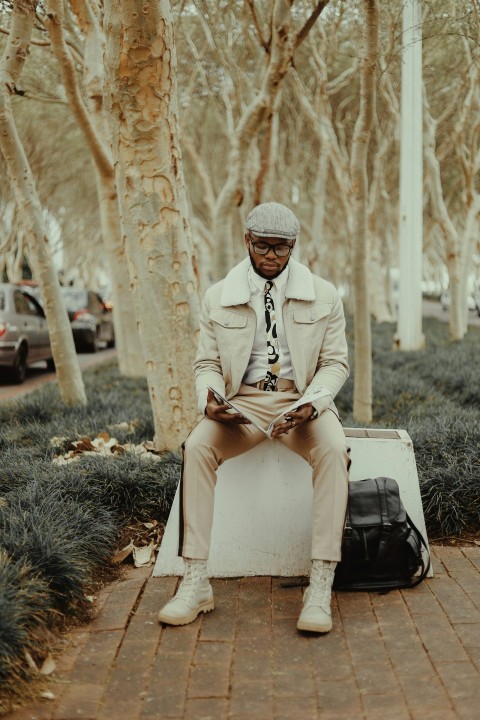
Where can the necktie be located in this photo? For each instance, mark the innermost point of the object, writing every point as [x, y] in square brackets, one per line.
[273, 348]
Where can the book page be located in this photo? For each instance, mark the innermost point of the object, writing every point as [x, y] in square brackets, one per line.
[220, 399]
[304, 400]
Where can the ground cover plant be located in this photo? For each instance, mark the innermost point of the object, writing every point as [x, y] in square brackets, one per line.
[60, 524]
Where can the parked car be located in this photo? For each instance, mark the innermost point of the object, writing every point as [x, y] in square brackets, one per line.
[91, 319]
[24, 337]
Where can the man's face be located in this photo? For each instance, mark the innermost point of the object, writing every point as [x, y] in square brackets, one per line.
[268, 265]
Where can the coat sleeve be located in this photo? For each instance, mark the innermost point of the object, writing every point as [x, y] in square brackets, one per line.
[332, 365]
[207, 366]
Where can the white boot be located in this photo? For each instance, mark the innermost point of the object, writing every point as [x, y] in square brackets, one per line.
[193, 596]
[316, 615]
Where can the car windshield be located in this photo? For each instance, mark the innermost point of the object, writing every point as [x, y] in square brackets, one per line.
[75, 299]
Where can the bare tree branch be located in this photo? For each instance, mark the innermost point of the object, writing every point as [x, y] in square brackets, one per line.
[264, 43]
[98, 148]
[302, 34]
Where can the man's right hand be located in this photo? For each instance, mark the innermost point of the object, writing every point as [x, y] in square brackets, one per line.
[222, 412]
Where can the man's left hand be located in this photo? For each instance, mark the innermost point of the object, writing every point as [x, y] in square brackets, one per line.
[292, 420]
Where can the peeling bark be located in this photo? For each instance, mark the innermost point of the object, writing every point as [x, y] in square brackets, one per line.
[141, 95]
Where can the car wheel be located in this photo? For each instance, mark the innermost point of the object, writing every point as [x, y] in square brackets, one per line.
[111, 342]
[51, 365]
[93, 346]
[19, 369]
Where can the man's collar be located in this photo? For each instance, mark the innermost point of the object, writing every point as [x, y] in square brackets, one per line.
[257, 281]
[236, 289]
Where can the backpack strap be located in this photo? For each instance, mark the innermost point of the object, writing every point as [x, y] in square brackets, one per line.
[386, 524]
[425, 568]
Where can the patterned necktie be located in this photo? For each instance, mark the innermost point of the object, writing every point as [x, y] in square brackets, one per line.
[273, 348]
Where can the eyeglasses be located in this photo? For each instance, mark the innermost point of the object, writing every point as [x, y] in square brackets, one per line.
[262, 248]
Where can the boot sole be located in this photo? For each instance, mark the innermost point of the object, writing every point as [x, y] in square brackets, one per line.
[186, 619]
[313, 627]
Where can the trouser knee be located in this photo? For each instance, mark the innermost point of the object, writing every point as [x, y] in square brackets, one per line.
[336, 452]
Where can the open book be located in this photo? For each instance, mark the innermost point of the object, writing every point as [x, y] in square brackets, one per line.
[304, 400]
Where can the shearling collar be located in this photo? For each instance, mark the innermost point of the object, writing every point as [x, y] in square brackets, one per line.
[236, 290]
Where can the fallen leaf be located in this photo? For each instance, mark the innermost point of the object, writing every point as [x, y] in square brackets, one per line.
[104, 436]
[48, 695]
[124, 553]
[57, 441]
[143, 555]
[30, 661]
[83, 445]
[150, 524]
[48, 665]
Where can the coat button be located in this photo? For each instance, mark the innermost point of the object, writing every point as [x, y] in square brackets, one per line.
[312, 318]
[227, 323]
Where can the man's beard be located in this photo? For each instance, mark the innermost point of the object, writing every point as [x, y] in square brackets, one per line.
[259, 272]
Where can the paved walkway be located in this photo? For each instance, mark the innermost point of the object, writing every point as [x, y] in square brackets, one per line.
[409, 654]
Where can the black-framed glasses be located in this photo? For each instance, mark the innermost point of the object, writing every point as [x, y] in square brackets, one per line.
[262, 248]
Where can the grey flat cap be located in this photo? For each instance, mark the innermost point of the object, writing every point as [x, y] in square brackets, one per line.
[273, 220]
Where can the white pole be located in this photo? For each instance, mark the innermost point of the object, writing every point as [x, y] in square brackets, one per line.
[409, 329]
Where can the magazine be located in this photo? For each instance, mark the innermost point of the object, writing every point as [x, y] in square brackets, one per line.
[304, 400]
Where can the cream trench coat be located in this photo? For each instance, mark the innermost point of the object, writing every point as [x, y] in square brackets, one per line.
[314, 325]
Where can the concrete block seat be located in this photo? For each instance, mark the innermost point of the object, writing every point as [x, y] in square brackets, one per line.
[260, 532]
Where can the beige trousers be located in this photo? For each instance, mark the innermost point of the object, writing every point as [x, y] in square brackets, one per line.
[320, 442]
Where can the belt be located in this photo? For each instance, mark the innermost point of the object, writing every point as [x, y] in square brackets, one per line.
[283, 385]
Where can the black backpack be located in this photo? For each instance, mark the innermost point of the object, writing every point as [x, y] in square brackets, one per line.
[381, 547]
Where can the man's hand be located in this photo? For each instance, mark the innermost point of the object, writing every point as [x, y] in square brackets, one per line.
[223, 413]
[292, 420]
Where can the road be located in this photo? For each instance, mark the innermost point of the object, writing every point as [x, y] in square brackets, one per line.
[37, 374]
[430, 308]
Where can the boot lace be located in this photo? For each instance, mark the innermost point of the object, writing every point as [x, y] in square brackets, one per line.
[191, 579]
[318, 593]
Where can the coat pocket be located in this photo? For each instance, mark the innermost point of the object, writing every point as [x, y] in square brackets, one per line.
[313, 314]
[228, 320]
[310, 325]
[234, 338]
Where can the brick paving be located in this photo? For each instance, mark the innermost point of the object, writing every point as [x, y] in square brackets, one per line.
[412, 654]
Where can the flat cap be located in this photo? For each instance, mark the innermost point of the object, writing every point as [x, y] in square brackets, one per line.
[273, 220]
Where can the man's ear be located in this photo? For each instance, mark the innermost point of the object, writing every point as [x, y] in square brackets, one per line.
[247, 242]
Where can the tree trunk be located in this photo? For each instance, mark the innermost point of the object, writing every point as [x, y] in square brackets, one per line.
[265, 154]
[318, 251]
[362, 393]
[141, 94]
[468, 244]
[92, 123]
[456, 320]
[28, 203]
[129, 350]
